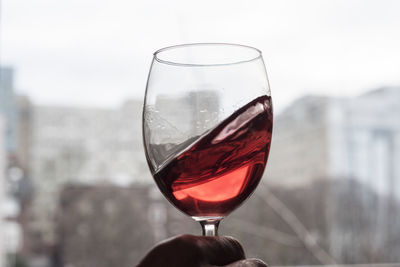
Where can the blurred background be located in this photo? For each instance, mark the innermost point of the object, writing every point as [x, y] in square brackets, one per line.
[75, 190]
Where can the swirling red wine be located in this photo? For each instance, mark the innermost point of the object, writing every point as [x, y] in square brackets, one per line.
[222, 168]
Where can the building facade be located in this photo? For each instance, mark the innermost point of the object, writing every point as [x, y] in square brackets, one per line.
[352, 145]
[357, 138]
[2, 190]
[72, 145]
[8, 106]
[99, 225]
[172, 123]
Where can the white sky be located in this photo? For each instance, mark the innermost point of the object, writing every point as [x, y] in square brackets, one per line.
[97, 52]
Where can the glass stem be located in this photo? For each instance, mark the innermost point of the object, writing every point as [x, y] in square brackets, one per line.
[210, 227]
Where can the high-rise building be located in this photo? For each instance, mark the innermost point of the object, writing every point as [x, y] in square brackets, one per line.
[10, 230]
[300, 143]
[2, 180]
[24, 121]
[334, 140]
[176, 122]
[8, 106]
[318, 137]
[186, 116]
[82, 146]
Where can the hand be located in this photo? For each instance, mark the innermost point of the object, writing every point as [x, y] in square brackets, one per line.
[199, 251]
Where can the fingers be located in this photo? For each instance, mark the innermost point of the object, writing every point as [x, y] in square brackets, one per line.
[189, 250]
[248, 263]
[220, 250]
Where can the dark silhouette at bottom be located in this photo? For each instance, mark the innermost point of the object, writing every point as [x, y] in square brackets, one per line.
[199, 251]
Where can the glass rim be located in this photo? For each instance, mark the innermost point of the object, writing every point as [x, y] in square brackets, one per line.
[180, 46]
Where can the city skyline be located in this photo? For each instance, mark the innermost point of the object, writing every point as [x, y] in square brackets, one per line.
[100, 150]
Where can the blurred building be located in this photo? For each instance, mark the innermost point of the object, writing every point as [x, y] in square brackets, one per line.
[2, 190]
[358, 138]
[12, 232]
[24, 133]
[15, 179]
[300, 145]
[186, 116]
[176, 122]
[10, 228]
[331, 140]
[8, 106]
[108, 225]
[193, 113]
[204, 107]
[84, 146]
[371, 140]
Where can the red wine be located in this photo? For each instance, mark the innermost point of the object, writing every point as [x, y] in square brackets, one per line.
[223, 167]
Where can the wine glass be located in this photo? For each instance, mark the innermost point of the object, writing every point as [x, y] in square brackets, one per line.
[207, 125]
